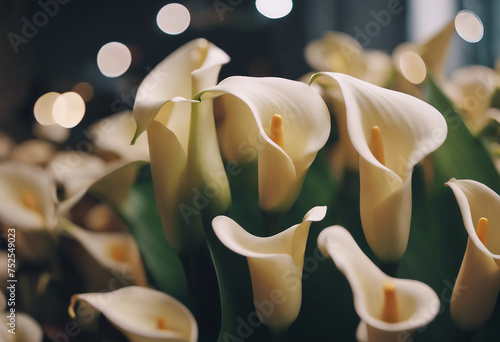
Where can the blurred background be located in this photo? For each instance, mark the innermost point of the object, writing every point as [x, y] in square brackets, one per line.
[52, 45]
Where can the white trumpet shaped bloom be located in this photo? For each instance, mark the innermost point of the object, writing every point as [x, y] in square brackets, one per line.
[275, 265]
[251, 106]
[182, 140]
[392, 132]
[142, 314]
[28, 197]
[114, 251]
[478, 282]
[390, 309]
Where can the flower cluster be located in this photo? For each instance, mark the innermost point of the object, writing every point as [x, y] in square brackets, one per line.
[180, 236]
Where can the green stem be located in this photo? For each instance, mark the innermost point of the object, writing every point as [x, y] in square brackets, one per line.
[390, 268]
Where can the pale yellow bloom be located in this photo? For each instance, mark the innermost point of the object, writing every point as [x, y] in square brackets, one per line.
[390, 309]
[163, 108]
[249, 105]
[408, 130]
[478, 282]
[275, 265]
[143, 314]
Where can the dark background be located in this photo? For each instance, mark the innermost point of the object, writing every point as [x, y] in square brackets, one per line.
[63, 51]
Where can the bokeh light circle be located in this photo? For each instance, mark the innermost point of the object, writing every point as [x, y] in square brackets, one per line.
[469, 26]
[413, 67]
[114, 59]
[68, 109]
[173, 18]
[274, 9]
[43, 108]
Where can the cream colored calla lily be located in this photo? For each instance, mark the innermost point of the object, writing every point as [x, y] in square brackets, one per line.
[336, 51]
[28, 197]
[390, 309]
[113, 134]
[164, 108]
[250, 104]
[143, 314]
[471, 89]
[340, 52]
[29, 204]
[116, 252]
[275, 265]
[23, 329]
[478, 281]
[409, 129]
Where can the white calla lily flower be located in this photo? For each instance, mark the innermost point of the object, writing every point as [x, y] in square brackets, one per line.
[28, 197]
[390, 309]
[392, 132]
[164, 108]
[280, 122]
[275, 265]
[116, 252]
[340, 52]
[143, 314]
[336, 51]
[478, 282]
[472, 88]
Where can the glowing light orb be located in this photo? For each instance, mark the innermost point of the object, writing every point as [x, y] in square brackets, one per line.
[43, 108]
[413, 67]
[274, 9]
[68, 109]
[469, 26]
[173, 18]
[114, 59]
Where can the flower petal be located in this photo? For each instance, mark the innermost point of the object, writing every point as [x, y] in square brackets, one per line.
[114, 251]
[478, 281]
[474, 88]
[275, 265]
[418, 127]
[168, 164]
[417, 303]
[136, 310]
[113, 134]
[236, 238]
[245, 131]
[410, 129]
[171, 81]
[27, 194]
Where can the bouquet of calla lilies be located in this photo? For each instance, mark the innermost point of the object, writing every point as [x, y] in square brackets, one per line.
[359, 203]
